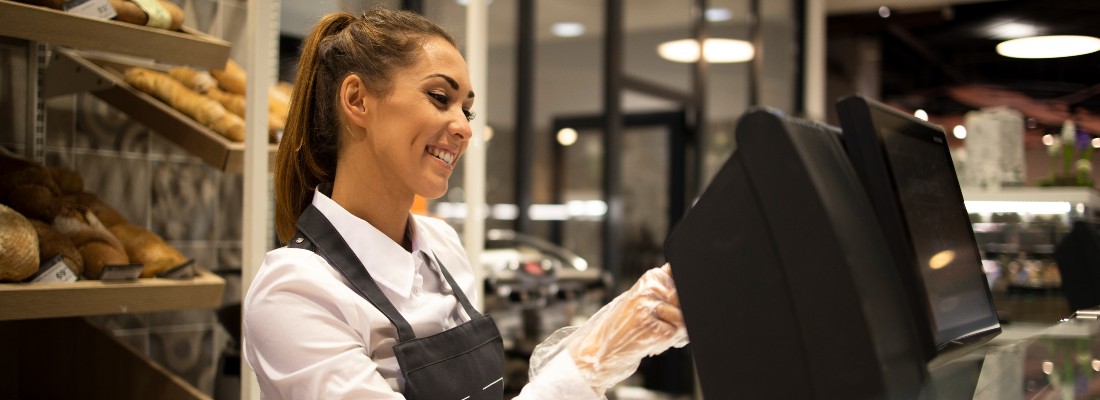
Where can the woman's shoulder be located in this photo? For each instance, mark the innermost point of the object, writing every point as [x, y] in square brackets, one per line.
[436, 229]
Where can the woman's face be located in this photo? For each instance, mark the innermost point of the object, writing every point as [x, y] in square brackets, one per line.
[416, 135]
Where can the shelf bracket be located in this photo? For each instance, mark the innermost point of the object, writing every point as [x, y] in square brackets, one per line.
[67, 75]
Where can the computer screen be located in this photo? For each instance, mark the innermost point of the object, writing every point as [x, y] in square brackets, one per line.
[905, 166]
[779, 266]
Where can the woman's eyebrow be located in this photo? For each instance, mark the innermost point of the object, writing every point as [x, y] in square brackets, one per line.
[450, 81]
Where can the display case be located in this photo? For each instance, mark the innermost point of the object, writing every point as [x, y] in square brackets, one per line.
[37, 313]
[1018, 230]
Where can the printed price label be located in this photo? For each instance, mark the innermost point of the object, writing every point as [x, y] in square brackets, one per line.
[55, 270]
[183, 271]
[121, 272]
[91, 8]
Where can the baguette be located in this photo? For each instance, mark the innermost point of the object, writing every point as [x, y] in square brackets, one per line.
[68, 181]
[202, 109]
[199, 81]
[231, 79]
[130, 12]
[145, 247]
[105, 213]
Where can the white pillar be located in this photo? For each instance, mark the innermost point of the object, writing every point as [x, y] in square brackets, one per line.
[813, 95]
[477, 58]
[262, 33]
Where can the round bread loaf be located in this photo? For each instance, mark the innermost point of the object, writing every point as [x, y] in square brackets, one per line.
[52, 243]
[18, 246]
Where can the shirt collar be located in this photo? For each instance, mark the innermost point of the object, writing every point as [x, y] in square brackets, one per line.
[386, 261]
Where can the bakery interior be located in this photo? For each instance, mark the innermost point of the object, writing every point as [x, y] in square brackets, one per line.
[149, 214]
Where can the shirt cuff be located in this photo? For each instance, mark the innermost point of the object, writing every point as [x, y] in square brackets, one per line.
[560, 379]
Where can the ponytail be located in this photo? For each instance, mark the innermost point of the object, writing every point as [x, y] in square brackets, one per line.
[371, 46]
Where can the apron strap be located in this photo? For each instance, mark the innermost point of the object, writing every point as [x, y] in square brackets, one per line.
[457, 291]
[317, 229]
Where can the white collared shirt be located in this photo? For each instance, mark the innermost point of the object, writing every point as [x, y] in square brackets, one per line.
[308, 335]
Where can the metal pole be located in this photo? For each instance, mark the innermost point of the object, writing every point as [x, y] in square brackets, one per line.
[477, 57]
[525, 111]
[612, 138]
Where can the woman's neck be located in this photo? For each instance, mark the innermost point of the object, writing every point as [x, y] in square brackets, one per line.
[385, 211]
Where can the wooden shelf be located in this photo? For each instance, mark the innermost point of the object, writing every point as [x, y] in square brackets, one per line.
[83, 298]
[55, 27]
[102, 77]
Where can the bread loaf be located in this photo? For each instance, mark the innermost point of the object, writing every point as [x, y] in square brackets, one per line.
[105, 213]
[52, 243]
[128, 12]
[199, 81]
[145, 247]
[68, 181]
[202, 109]
[97, 245]
[27, 187]
[175, 12]
[18, 246]
[231, 79]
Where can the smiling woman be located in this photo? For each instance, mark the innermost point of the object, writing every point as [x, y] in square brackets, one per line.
[370, 301]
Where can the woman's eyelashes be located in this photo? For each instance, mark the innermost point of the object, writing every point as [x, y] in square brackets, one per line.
[442, 101]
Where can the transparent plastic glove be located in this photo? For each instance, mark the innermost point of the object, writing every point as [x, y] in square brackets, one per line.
[641, 322]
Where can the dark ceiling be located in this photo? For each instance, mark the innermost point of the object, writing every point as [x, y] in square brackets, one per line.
[944, 60]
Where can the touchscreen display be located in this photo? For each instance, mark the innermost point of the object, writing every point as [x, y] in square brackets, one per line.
[939, 227]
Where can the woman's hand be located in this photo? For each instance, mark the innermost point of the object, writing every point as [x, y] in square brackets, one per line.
[643, 321]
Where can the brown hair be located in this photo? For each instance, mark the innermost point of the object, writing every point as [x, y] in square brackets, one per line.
[371, 46]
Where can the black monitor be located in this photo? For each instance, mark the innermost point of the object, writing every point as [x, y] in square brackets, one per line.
[1078, 258]
[905, 166]
[785, 282]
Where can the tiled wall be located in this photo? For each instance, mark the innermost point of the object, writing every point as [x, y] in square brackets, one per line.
[155, 184]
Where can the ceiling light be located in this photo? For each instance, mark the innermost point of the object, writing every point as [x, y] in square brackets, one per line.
[1048, 46]
[715, 50]
[1095, 143]
[567, 29]
[465, 2]
[567, 136]
[718, 14]
[959, 131]
[884, 12]
[921, 114]
[1013, 30]
[1048, 139]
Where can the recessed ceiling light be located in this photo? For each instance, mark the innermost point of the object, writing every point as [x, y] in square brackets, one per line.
[884, 12]
[715, 50]
[718, 14]
[567, 29]
[1048, 46]
[959, 131]
[921, 114]
[465, 2]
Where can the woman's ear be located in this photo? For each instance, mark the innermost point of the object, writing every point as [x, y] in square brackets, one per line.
[355, 100]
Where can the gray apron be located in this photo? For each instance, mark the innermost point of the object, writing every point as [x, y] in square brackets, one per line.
[462, 363]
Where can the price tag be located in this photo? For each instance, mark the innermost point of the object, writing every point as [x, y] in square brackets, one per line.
[55, 270]
[183, 271]
[92, 8]
[121, 272]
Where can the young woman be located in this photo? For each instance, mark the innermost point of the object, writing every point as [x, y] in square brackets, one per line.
[368, 301]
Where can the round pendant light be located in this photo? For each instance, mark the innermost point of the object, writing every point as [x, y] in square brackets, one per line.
[1048, 46]
[715, 50]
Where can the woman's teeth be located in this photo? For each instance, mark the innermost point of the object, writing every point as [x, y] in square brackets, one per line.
[449, 158]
